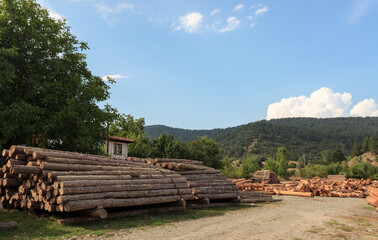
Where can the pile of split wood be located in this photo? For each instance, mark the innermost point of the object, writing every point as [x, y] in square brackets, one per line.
[314, 187]
[373, 196]
[67, 182]
[205, 182]
[265, 176]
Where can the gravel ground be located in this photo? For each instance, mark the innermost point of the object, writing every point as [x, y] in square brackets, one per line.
[293, 218]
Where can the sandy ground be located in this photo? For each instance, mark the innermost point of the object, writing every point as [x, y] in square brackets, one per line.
[293, 218]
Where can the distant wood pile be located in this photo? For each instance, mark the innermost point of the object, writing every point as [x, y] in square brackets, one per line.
[315, 187]
[265, 176]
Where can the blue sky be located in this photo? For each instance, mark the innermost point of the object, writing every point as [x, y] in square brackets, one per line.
[215, 64]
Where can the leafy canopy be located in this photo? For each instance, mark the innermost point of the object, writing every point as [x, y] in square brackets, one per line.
[48, 96]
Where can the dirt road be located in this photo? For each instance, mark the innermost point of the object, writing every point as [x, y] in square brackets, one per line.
[293, 218]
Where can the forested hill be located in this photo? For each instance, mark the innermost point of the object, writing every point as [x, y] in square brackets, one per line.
[309, 136]
[154, 131]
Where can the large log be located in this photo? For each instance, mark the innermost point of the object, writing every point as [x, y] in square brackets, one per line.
[7, 225]
[206, 177]
[5, 153]
[108, 203]
[372, 200]
[121, 214]
[201, 183]
[120, 182]
[25, 169]
[54, 174]
[79, 167]
[124, 194]
[218, 196]
[10, 182]
[13, 162]
[211, 205]
[115, 188]
[212, 191]
[292, 193]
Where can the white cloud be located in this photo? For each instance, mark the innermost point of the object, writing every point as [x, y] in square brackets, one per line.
[252, 24]
[232, 24]
[238, 7]
[365, 108]
[361, 7]
[215, 11]
[261, 11]
[108, 14]
[116, 76]
[323, 103]
[190, 22]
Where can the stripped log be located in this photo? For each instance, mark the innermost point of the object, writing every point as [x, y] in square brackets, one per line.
[114, 188]
[7, 225]
[123, 194]
[89, 204]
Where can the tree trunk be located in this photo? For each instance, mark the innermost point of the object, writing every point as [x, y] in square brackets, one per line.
[106, 203]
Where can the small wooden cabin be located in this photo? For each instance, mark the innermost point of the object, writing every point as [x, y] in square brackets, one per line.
[117, 146]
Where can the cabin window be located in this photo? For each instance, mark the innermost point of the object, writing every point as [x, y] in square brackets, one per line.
[117, 149]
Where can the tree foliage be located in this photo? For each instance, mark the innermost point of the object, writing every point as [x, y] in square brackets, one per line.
[48, 96]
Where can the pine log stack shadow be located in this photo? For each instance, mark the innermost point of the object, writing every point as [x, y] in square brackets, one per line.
[314, 187]
[63, 182]
[209, 186]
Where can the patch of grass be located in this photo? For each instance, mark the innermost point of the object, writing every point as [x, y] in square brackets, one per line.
[364, 222]
[31, 226]
[332, 223]
[297, 238]
[316, 230]
[369, 208]
[346, 228]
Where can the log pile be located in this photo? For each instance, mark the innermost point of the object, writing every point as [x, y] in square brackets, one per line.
[256, 196]
[61, 182]
[313, 187]
[205, 182]
[265, 176]
[372, 199]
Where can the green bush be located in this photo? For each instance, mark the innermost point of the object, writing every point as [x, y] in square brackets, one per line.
[313, 170]
[362, 170]
[250, 165]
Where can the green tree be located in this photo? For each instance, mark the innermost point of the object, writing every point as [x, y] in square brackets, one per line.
[283, 162]
[129, 127]
[205, 150]
[250, 165]
[326, 156]
[356, 150]
[271, 164]
[373, 144]
[166, 147]
[337, 156]
[48, 96]
[365, 145]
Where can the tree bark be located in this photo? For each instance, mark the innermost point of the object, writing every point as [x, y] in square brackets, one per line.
[89, 204]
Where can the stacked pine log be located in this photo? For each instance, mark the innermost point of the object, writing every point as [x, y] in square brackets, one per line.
[265, 176]
[372, 199]
[314, 187]
[59, 181]
[205, 182]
